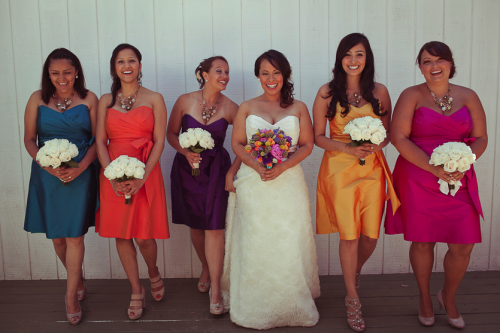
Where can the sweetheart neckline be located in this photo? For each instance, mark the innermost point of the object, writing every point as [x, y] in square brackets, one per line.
[187, 114]
[132, 109]
[425, 107]
[65, 110]
[275, 122]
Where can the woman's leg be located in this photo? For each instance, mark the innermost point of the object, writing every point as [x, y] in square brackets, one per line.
[366, 246]
[422, 260]
[198, 239]
[75, 250]
[455, 264]
[61, 248]
[214, 250]
[128, 257]
[149, 251]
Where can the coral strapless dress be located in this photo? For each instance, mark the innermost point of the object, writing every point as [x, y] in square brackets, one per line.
[131, 134]
[350, 197]
[426, 214]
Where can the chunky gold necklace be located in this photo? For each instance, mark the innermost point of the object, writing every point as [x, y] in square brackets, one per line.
[354, 99]
[208, 112]
[444, 102]
[127, 102]
[62, 104]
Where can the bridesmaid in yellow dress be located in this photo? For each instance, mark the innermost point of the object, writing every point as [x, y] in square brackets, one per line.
[350, 197]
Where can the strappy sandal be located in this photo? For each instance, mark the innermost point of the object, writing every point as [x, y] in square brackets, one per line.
[203, 287]
[155, 283]
[215, 308]
[358, 280]
[80, 294]
[357, 323]
[70, 316]
[137, 300]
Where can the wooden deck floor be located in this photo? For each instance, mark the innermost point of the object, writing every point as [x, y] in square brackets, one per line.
[390, 304]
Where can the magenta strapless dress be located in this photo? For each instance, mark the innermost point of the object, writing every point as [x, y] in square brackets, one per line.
[426, 214]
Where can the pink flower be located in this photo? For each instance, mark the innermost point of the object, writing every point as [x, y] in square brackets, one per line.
[276, 152]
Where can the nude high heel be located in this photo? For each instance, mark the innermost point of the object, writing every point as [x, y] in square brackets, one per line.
[80, 294]
[203, 287]
[137, 300]
[155, 283]
[70, 316]
[357, 322]
[457, 322]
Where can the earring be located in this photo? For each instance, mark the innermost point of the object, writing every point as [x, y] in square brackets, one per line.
[76, 77]
[206, 81]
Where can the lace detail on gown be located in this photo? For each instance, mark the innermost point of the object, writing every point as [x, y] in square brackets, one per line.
[270, 274]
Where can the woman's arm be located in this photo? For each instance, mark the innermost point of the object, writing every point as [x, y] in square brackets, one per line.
[231, 173]
[159, 132]
[239, 139]
[382, 94]
[320, 108]
[174, 128]
[479, 132]
[101, 137]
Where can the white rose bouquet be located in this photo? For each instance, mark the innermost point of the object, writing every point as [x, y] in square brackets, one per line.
[58, 153]
[125, 168]
[196, 140]
[365, 130]
[452, 156]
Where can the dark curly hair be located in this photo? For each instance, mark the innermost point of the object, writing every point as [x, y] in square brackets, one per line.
[47, 86]
[338, 84]
[279, 61]
[205, 66]
[438, 49]
[116, 85]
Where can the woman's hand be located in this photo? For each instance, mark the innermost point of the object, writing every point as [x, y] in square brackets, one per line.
[229, 183]
[52, 171]
[133, 186]
[192, 157]
[68, 174]
[117, 186]
[273, 173]
[439, 172]
[362, 151]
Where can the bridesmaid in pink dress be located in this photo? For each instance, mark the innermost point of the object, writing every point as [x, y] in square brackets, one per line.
[426, 215]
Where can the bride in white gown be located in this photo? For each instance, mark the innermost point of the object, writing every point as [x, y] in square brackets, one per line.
[270, 274]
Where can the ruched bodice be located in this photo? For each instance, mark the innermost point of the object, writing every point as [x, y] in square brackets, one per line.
[200, 202]
[63, 211]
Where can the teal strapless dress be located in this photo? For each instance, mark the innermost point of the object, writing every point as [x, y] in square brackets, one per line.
[57, 210]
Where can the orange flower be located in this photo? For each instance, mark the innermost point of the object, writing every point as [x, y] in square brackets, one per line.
[248, 148]
[259, 159]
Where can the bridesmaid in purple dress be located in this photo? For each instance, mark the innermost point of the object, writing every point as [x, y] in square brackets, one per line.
[426, 215]
[200, 202]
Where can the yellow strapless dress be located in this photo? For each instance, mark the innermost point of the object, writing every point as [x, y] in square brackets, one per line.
[351, 197]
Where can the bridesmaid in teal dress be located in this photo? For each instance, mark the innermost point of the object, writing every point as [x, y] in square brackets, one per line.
[63, 109]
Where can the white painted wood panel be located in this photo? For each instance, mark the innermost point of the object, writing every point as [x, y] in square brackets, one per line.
[83, 41]
[175, 35]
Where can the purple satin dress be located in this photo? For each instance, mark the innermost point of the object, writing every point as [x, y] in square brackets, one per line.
[200, 202]
[426, 214]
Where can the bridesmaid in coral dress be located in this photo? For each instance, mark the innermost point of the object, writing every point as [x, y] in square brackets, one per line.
[350, 197]
[426, 215]
[134, 120]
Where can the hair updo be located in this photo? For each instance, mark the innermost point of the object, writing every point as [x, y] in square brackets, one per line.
[438, 49]
[205, 66]
[279, 61]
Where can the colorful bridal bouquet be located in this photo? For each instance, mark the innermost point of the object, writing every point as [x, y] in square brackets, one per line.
[365, 130]
[58, 153]
[125, 168]
[196, 140]
[452, 156]
[269, 147]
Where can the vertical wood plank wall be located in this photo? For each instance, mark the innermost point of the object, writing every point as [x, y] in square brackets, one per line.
[175, 35]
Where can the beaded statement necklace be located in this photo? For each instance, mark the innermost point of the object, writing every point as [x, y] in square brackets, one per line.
[208, 112]
[354, 99]
[444, 102]
[62, 104]
[127, 102]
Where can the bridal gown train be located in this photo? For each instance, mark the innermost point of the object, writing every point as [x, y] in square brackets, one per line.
[270, 274]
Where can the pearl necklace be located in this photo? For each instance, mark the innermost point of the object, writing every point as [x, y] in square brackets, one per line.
[354, 99]
[127, 102]
[444, 102]
[62, 104]
[208, 112]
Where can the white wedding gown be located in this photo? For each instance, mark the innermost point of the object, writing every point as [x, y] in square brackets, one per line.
[270, 274]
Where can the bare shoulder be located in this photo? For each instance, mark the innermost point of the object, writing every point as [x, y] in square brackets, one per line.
[380, 90]
[106, 98]
[91, 96]
[36, 97]
[412, 93]
[299, 105]
[230, 104]
[324, 90]
[467, 93]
